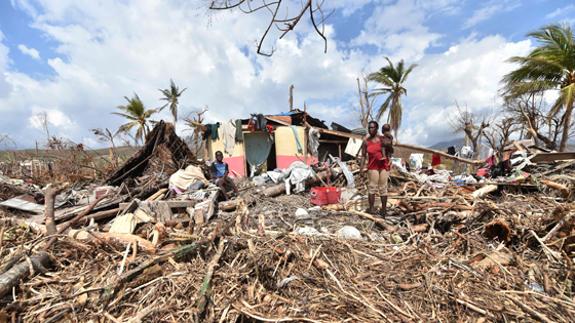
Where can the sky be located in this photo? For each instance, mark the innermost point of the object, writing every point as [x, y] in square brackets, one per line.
[76, 60]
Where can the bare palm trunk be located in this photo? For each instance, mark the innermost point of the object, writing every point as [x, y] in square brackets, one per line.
[566, 127]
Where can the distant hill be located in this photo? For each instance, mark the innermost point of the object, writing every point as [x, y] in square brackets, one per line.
[123, 153]
[443, 145]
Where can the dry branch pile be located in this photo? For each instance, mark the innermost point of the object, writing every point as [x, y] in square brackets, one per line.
[444, 253]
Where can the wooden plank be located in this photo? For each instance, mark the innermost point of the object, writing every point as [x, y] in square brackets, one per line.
[550, 157]
[164, 211]
[407, 146]
[329, 141]
[440, 153]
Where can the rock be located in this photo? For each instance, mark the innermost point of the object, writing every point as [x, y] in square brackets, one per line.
[301, 214]
[349, 232]
[307, 231]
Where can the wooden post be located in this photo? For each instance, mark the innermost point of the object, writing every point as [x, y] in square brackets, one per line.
[50, 193]
[291, 87]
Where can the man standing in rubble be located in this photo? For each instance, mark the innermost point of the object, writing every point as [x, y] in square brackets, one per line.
[375, 151]
[220, 171]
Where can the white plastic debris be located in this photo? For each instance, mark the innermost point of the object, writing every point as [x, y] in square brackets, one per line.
[349, 232]
[287, 280]
[307, 231]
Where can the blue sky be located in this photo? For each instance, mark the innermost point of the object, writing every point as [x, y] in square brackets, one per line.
[75, 60]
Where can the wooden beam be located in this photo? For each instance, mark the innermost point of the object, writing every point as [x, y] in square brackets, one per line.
[440, 153]
[550, 157]
[329, 141]
[406, 146]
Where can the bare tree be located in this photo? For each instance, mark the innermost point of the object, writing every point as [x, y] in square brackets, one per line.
[531, 114]
[499, 134]
[196, 123]
[471, 125]
[42, 120]
[106, 136]
[281, 18]
[365, 104]
[5, 140]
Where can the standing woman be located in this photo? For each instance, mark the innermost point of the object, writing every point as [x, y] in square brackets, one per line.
[377, 167]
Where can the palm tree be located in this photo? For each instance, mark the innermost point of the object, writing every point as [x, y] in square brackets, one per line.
[138, 116]
[391, 77]
[171, 96]
[550, 66]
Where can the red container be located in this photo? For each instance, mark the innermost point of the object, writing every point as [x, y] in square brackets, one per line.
[325, 195]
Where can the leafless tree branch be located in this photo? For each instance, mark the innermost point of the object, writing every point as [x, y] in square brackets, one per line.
[284, 25]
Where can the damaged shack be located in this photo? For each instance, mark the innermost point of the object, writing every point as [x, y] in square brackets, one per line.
[266, 142]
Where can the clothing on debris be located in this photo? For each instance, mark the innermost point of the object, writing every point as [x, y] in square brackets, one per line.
[239, 131]
[228, 131]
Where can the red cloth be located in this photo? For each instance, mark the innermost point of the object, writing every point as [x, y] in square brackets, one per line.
[435, 160]
[482, 172]
[490, 161]
[374, 156]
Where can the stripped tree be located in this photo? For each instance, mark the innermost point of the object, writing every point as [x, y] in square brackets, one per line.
[284, 17]
[468, 123]
[531, 113]
[549, 67]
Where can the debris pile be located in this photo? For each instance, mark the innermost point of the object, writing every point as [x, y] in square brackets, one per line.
[145, 247]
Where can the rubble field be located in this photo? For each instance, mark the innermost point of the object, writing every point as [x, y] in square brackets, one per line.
[132, 249]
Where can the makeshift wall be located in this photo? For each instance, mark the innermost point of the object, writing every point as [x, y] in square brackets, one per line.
[287, 148]
[236, 161]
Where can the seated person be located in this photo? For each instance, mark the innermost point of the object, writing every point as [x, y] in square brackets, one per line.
[219, 171]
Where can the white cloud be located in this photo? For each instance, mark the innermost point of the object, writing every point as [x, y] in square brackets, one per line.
[32, 52]
[107, 52]
[492, 8]
[468, 73]
[112, 49]
[54, 117]
[399, 29]
[559, 12]
[4, 86]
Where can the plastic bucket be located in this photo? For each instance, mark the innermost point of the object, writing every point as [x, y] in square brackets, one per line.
[325, 195]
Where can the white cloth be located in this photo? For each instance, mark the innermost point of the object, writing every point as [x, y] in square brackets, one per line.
[228, 133]
[466, 152]
[416, 161]
[184, 178]
[353, 146]
[298, 173]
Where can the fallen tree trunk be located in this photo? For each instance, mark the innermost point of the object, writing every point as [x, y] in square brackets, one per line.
[12, 260]
[231, 205]
[556, 186]
[122, 238]
[12, 277]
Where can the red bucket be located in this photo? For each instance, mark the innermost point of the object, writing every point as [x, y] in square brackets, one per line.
[325, 195]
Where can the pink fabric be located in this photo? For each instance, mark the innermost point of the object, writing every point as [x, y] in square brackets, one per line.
[236, 166]
[284, 162]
